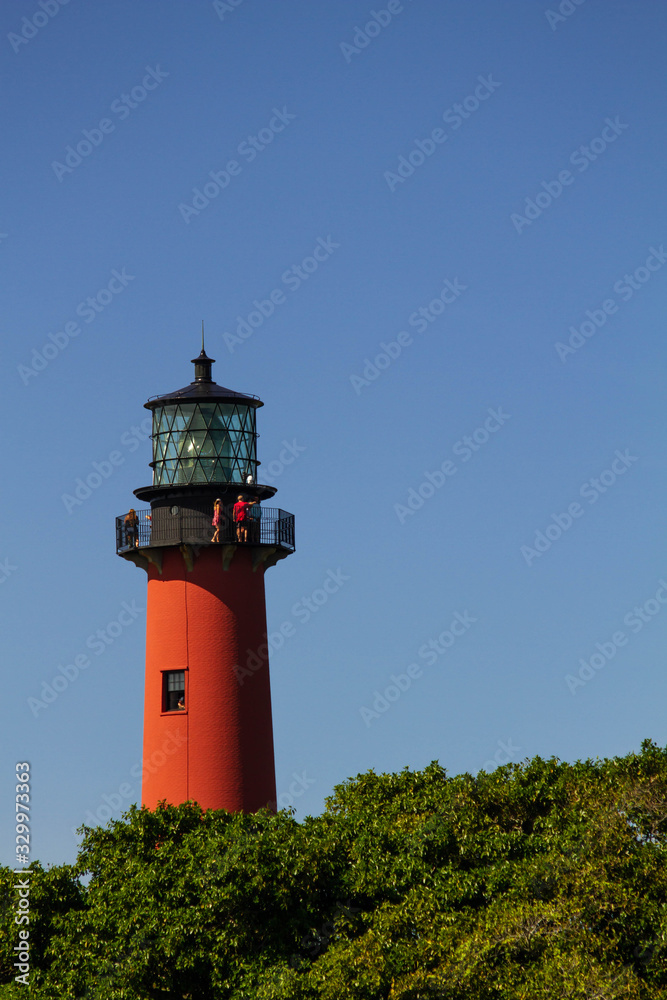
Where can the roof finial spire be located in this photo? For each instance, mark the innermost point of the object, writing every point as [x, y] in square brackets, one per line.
[203, 363]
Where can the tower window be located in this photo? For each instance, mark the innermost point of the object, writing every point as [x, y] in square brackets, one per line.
[173, 690]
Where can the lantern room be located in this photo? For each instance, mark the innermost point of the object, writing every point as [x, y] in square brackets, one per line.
[204, 433]
[204, 450]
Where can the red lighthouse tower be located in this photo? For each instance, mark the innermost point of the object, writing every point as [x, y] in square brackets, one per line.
[208, 735]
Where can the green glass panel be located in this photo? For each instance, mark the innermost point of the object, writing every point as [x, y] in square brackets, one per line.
[198, 474]
[208, 447]
[183, 471]
[208, 465]
[196, 442]
[166, 415]
[245, 444]
[171, 448]
[220, 418]
[186, 448]
[208, 411]
[197, 421]
[177, 438]
[180, 419]
[220, 441]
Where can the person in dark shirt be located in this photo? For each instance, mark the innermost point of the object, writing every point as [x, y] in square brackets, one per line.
[132, 528]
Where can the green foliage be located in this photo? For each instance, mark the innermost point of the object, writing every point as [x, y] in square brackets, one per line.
[539, 881]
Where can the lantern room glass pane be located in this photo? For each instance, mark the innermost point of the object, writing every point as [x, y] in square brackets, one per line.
[197, 421]
[219, 420]
[208, 411]
[208, 448]
[163, 418]
[204, 442]
[171, 450]
[195, 441]
[221, 442]
[169, 469]
[180, 420]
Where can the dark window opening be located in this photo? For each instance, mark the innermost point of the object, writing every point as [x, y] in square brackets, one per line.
[173, 690]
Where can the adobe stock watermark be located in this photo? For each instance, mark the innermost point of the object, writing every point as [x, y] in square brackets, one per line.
[31, 26]
[292, 279]
[566, 9]
[101, 471]
[249, 148]
[287, 456]
[504, 754]
[21, 908]
[224, 7]
[428, 651]
[6, 569]
[625, 288]
[303, 610]
[88, 310]
[122, 107]
[127, 791]
[97, 642]
[454, 117]
[362, 38]
[591, 491]
[582, 157]
[419, 320]
[297, 787]
[464, 448]
[635, 620]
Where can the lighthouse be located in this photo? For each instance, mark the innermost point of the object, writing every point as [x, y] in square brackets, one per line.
[208, 734]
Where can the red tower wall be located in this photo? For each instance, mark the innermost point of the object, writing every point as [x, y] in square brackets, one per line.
[219, 751]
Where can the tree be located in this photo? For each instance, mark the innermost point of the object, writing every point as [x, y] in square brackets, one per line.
[540, 880]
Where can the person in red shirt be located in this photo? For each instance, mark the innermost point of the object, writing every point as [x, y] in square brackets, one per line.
[240, 514]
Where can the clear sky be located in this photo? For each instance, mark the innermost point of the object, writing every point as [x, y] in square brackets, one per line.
[459, 209]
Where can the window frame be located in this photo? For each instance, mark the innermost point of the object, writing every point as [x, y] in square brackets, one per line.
[164, 691]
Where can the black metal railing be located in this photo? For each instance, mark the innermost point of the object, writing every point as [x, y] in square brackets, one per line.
[176, 526]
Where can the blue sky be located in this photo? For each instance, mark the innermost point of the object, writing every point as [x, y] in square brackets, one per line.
[483, 184]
